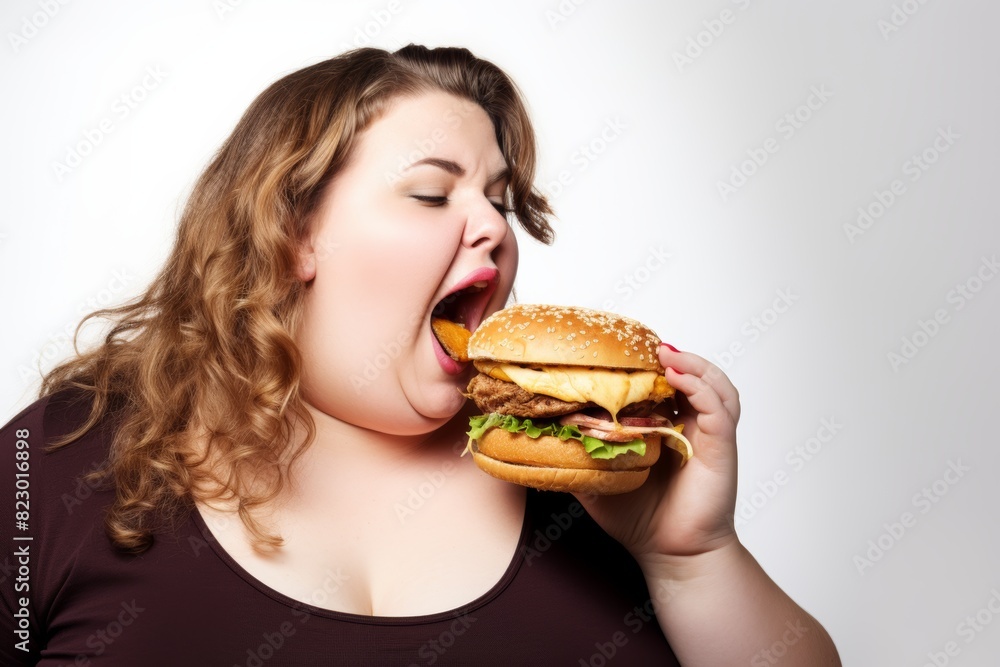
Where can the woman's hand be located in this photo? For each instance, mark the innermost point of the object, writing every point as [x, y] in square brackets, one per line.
[679, 527]
[686, 510]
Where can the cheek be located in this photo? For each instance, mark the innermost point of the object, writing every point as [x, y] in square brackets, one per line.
[363, 306]
[508, 254]
[352, 344]
[381, 266]
[506, 257]
[383, 248]
[363, 313]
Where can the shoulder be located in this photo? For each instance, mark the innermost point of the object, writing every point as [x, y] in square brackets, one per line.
[55, 511]
[29, 417]
[50, 417]
[51, 478]
[28, 447]
[59, 507]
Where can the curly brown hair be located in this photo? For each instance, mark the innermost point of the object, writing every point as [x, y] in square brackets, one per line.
[209, 346]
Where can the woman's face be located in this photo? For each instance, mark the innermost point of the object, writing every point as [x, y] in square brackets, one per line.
[412, 222]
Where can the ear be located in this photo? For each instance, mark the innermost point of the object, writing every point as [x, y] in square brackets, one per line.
[305, 269]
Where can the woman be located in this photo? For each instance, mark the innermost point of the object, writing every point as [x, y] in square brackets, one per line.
[268, 436]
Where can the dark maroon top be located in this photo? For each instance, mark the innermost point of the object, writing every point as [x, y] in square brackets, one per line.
[571, 595]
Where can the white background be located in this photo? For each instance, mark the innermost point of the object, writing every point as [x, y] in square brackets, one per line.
[678, 128]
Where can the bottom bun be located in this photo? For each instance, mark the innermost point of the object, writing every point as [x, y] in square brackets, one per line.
[572, 480]
[550, 452]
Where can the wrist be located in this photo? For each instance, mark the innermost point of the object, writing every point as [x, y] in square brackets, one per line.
[675, 570]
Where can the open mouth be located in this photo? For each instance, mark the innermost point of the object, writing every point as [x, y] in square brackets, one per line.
[462, 306]
[465, 305]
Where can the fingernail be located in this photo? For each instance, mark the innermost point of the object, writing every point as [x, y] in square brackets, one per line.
[669, 347]
[675, 370]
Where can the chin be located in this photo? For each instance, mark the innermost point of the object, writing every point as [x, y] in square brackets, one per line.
[417, 424]
[439, 406]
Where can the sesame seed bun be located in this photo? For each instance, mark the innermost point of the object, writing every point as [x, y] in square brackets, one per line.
[528, 334]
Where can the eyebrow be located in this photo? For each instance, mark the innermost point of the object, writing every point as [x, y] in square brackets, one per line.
[455, 169]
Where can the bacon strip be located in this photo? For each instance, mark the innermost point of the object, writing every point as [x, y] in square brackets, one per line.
[609, 436]
[630, 428]
[580, 419]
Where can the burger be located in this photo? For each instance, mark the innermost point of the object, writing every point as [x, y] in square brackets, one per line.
[573, 400]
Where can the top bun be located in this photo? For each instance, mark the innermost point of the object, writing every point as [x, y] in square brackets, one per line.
[527, 334]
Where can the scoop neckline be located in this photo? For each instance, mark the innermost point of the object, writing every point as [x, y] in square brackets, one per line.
[494, 591]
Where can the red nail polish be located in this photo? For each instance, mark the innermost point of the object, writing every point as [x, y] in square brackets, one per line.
[670, 347]
[675, 370]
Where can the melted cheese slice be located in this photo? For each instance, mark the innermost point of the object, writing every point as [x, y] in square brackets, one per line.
[612, 390]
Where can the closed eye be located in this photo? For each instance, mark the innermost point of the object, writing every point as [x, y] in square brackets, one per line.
[432, 200]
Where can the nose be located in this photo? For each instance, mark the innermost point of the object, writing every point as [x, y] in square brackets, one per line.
[485, 227]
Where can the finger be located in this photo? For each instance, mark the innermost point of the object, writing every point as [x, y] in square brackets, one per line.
[691, 364]
[703, 398]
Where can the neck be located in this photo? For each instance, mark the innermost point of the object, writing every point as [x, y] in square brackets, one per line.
[348, 461]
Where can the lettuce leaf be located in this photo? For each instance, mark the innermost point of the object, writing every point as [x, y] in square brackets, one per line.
[598, 449]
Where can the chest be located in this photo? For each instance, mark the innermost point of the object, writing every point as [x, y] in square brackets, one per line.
[415, 555]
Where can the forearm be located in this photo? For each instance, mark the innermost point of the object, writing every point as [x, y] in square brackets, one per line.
[721, 608]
